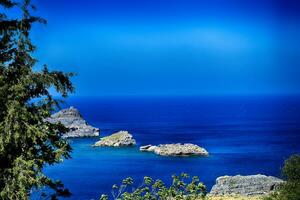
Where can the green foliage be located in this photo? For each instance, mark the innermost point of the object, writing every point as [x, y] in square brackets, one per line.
[27, 141]
[291, 169]
[152, 190]
[290, 190]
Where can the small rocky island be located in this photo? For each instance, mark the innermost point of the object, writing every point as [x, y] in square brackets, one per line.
[72, 119]
[119, 139]
[252, 185]
[175, 150]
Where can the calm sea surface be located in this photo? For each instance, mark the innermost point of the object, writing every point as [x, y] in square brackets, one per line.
[244, 135]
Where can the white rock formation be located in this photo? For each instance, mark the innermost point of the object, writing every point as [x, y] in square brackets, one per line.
[176, 150]
[245, 185]
[121, 138]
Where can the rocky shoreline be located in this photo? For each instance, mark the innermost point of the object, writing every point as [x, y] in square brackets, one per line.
[252, 185]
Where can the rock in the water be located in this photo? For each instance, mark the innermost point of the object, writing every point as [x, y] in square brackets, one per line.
[73, 120]
[245, 185]
[121, 138]
[176, 150]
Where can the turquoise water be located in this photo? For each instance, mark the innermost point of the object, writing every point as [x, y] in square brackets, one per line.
[244, 135]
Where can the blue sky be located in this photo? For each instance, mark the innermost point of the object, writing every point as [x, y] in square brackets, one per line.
[173, 47]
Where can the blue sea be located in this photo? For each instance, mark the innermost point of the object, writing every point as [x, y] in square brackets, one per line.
[244, 135]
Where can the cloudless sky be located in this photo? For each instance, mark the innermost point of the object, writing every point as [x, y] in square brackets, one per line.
[173, 47]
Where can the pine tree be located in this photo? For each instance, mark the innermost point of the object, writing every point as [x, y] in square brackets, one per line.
[28, 142]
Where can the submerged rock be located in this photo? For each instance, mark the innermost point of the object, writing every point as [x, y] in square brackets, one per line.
[72, 119]
[121, 138]
[176, 150]
[245, 185]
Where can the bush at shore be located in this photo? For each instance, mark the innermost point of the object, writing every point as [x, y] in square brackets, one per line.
[290, 190]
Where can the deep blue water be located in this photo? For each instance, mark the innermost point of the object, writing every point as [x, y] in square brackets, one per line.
[244, 135]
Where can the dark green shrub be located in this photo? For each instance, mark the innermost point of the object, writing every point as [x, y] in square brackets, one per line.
[291, 169]
[152, 190]
[290, 190]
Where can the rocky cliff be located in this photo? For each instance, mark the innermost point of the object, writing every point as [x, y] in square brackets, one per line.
[73, 120]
